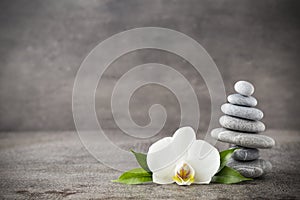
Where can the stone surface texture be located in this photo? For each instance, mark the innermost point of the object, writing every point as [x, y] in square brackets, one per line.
[238, 99]
[241, 124]
[55, 165]
[245, 154]
[242, 112]
[251, 169]
[244, 88]
[243, 139]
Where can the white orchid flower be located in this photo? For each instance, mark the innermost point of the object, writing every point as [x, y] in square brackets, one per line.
[183, 159]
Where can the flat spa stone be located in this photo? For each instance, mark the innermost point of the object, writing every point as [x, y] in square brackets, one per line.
[245, 154]
[243, 139]
[242, 112]
[251, 169]
[238, 99]
[238, 124]
[244, 88]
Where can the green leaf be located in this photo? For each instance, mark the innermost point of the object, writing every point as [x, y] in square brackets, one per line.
[224, 157]
[228, 176]
[141, 159]
[134, 176]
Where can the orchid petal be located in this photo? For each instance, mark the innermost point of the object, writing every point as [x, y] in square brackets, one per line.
[205, 160]
[167, 151]
[164, 176]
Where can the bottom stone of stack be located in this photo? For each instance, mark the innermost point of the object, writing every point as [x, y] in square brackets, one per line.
[251, 169]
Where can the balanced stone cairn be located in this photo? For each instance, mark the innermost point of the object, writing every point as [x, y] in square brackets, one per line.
[241, 126]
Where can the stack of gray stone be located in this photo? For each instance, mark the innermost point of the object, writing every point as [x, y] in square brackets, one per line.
[241, 128]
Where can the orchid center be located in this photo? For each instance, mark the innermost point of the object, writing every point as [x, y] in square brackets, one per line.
[184, 174]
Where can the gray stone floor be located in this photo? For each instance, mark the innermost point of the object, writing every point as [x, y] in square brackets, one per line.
[43, 165]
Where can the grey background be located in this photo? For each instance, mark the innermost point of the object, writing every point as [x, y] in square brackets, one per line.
[42, 44]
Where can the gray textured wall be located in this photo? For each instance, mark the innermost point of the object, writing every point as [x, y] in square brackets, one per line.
[42, 44]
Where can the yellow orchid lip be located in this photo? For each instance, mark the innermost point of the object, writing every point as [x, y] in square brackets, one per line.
[184, 174]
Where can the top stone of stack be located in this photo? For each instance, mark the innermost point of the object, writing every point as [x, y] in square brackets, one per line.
[244, 88]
